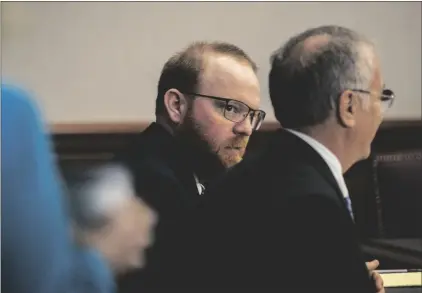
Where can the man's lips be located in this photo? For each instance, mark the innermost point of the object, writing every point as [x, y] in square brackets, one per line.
[236, 148]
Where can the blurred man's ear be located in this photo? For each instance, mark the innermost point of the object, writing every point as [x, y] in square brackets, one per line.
[176, 105]
[347, 107]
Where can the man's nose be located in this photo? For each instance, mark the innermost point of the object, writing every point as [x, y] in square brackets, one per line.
[243, 128]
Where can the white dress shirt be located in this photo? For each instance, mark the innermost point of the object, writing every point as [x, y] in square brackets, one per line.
[199, 185]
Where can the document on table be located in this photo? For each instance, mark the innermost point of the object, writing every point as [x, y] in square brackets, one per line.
[401, 278]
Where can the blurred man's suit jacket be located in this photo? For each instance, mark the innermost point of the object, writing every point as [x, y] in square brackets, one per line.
[38, 253]
[277, 221]
[165, 181]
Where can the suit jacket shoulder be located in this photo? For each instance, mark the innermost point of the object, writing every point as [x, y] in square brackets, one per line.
[161, 177]
[285, 212]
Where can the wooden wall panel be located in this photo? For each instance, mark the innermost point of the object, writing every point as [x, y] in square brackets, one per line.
[84, 145]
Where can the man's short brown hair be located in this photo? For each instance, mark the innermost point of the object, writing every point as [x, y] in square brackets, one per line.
[183, 70]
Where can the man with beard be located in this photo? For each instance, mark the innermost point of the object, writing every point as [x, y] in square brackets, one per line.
[206, 109]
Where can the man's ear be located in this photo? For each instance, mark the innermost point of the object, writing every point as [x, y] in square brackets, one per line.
[176, 105]
[347, 107]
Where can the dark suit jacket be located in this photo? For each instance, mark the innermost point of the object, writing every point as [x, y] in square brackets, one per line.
[165, 180]
[277, 221]
[38, 253]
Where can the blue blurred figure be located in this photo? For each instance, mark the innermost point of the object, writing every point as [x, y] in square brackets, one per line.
[39, 254]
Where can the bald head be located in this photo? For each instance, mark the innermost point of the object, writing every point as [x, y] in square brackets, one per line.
[310, 47]
[313, 68]
[314, 43]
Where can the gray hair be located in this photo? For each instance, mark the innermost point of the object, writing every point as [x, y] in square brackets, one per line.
[312, 70]
[94, 195]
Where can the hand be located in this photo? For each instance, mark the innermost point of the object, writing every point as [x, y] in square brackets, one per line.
[379, 283]
[127, 235]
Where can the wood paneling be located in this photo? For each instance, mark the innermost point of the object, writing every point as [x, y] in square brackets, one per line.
[80, 145]
[86, 144]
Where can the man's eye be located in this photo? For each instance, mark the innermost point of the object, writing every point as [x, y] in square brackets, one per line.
[229, 108]
[233, 108]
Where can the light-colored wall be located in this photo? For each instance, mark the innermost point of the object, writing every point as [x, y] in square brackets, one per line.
[100, 62]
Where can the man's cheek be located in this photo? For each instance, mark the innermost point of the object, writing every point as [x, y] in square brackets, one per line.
[210, 138]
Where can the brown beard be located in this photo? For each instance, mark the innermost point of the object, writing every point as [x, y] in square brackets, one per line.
[192, 136]
[202, 150]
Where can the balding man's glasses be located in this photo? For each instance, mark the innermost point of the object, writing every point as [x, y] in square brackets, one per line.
[387, 97]
[237, 111]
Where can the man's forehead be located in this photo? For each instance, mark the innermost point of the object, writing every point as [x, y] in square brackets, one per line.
[230, 77]
[378, 80]
[224, 64]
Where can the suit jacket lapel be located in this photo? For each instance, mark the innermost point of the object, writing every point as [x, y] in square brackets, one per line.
[185, 175]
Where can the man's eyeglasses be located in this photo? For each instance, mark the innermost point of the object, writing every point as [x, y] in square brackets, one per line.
[387, 97]
[237, 111]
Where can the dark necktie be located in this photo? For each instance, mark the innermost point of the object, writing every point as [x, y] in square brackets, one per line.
[349, 205]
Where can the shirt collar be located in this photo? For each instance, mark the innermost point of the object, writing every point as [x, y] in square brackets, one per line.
[328, 156]
[199, 185]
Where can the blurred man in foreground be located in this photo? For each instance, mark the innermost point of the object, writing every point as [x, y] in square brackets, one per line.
[39, 254]
[284, 220]
[109, 216]
[207, 107]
